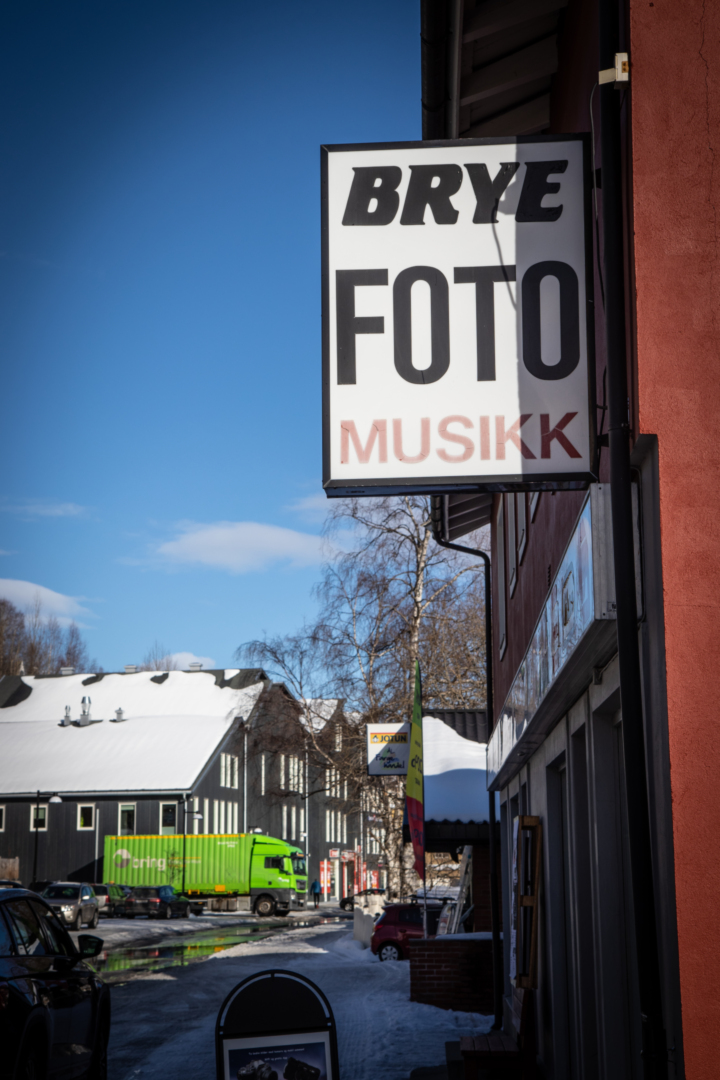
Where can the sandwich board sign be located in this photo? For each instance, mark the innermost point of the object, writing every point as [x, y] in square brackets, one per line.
[457, 316]
[276, 1024]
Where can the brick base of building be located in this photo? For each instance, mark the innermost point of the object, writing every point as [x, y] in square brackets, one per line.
[452, 974]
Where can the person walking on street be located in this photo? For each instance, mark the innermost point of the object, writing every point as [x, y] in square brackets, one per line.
[315, 890]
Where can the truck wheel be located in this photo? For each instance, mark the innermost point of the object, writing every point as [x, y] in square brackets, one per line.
[265, 906]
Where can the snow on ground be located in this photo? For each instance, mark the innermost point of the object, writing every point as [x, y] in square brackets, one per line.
[165, 1026]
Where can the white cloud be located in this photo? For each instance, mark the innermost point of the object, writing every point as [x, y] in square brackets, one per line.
[311, 507]
[241, 546]
[23, 595]
[34, 508]
[185, 659]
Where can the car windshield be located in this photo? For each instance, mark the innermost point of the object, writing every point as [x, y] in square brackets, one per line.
[100, 890]
[62, 892]
[299, 866]
[144, 894]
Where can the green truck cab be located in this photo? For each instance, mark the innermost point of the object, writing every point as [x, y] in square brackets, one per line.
[236, 872]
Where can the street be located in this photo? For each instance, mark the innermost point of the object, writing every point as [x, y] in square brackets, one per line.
[164, 1021]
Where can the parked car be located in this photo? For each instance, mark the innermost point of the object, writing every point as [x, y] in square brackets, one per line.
[116, 897]
[398, 925]
[53, 1007]
[160, 902]
[73, 903]
[348, 902]
[5, 883]
[39, 886]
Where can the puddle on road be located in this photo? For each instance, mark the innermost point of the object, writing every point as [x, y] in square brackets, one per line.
[179, 951]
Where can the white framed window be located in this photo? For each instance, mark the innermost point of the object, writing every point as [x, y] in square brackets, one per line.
[302, 820]
[500, 577]
[338, 738]
[327, 826]
[345, 791]
[216, 816]
[521, 525]
[344, 839]
[196, 810]
[206, 816]
[229, 773]
[86, 816]
[235, 809]
[293, 823]
[168, 818]
[221, 829]
[2, 819]
[39, 813]
[284, 822]
[282, 771]
[126, 819]
[262, 774]
[511, 542]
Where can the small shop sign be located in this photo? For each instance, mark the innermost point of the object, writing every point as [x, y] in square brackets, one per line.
[457, 315]
[388, 747]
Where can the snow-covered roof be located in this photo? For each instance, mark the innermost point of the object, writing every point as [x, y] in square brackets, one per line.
[168, 733]
[455, 775]
[318, 711]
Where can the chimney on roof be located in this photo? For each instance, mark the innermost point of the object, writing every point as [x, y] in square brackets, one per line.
[67, 670]
[195, 666]
[66, 720]
[119, 716]
[85, 712]
[131, 669]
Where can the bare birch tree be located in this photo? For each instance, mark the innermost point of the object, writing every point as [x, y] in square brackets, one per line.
[388, 595]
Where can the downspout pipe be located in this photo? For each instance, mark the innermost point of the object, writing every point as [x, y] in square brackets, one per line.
[654, 1049]
[494, 891]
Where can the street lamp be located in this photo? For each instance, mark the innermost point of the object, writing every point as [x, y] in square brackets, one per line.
[54, 798]
[196, 817]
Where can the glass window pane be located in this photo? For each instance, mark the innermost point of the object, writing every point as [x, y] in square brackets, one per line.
[127, 820]
[6, 948]
[56, 940]
[86, 817]
[2, 818]
[28, 935]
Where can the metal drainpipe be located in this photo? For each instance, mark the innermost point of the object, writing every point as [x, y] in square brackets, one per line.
[245, 781]
[494, 893]
[654, 1049]
[452, 116]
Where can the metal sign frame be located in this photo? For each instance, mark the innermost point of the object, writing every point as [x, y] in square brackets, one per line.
[433, 485]
[265, 997]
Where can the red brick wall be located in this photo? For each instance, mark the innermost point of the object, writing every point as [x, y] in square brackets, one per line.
[452, 974]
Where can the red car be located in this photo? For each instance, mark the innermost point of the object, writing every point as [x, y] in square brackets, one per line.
[398, 925]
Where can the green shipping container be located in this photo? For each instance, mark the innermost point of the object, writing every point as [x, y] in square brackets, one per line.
[229, 865]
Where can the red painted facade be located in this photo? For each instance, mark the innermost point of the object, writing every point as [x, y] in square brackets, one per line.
[675, 51]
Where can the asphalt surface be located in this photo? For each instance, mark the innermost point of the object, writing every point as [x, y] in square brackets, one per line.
[164, 1022]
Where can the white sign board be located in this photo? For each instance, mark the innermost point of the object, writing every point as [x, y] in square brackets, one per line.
[388, 749]
[457, 312]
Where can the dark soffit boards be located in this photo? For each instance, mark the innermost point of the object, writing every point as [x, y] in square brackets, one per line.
[469, 723]
[500, 82]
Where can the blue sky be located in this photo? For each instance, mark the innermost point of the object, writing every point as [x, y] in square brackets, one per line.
[160, 324]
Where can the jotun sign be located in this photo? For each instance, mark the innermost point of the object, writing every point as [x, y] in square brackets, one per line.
[457, 312]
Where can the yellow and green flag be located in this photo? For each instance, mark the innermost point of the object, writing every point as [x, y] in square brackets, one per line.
[414, 790]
